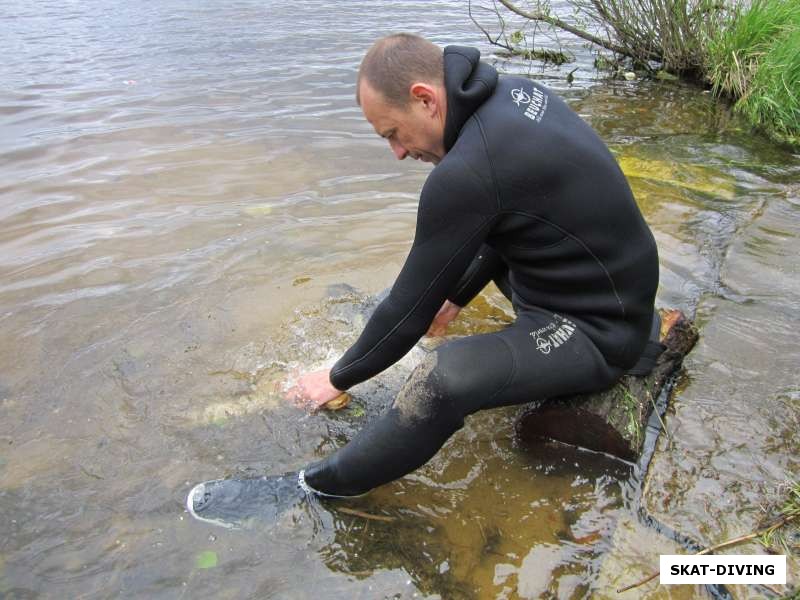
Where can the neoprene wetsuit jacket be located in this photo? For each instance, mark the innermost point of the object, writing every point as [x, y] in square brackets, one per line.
[524, 181]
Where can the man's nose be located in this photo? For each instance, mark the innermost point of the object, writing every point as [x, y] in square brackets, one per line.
[398, 149]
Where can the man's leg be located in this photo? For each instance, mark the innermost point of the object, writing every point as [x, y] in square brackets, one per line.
[541, 355]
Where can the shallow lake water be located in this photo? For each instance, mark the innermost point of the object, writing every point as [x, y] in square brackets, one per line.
[182, 185]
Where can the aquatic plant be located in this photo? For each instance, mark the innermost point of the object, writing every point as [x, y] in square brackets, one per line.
[779, 537]
[631, 406]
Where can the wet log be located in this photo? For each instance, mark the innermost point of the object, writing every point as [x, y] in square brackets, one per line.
[612, 421]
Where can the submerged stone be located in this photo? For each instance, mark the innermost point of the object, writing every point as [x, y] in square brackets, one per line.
[692, 177]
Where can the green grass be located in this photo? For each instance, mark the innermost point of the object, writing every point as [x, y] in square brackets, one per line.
[756, 61]
[631, 407]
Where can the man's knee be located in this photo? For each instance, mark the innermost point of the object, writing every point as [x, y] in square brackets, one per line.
[474, 369]
[457, 379]
[429, 395]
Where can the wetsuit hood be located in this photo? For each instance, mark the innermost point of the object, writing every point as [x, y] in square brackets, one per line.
[468, 82]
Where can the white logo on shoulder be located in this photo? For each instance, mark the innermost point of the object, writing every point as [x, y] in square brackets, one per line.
[535, 102]
[520, 96]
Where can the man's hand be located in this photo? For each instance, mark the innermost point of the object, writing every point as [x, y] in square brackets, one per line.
[447, 313]
[313, 390]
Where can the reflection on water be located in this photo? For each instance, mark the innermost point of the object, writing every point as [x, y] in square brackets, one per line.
[181, 186]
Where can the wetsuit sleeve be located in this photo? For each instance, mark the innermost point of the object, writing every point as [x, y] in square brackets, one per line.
[454, 216]
[485, 267]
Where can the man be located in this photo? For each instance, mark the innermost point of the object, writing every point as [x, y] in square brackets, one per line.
[523, 193]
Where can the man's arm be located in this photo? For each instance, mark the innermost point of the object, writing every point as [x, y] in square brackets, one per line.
[446, 314]
[486, 266]
[315, 389]
[454, 218]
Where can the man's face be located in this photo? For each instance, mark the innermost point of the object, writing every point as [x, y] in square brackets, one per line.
[416, 130]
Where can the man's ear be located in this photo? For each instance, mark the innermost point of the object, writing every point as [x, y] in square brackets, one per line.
[427, 95]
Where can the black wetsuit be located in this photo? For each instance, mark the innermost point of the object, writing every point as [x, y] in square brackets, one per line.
[529, 196]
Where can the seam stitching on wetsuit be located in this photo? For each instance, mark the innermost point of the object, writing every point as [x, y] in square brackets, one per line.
[494, 182]
[585, 247]
[546, 247]
[488, 159]
[411, 311]
[514, 366]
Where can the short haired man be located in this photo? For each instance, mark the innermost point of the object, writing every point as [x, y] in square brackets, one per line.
[523, 193]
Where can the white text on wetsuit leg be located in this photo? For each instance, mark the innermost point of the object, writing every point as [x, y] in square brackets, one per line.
[553, 334]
